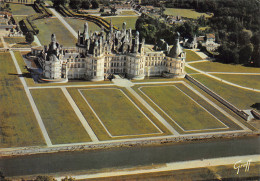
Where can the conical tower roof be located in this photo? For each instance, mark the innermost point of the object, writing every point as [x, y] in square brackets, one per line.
[176, 50]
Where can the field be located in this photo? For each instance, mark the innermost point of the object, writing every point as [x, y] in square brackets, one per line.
[19, 9]
[118, 21]
[78, 24]
[241, 98]
[18, 42]
[223, 172]
[252, 81]
[221, 67]
[51, 25]
[181, 108]
[18, 18]
[61, 122]
[14, 40]
[189, 71]
[116, 115]
[188, 13]
[191, 56]
[128, 13]
[18, 123]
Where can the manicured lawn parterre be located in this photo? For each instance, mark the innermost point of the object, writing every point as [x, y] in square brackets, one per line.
[127, 13]
[184, 111]
[78, 25]
[189, 71]
[18, 18]
[13, 40]
[61, 122]
[188, 13]
[118, 21]
[191, 56]
[241, 98]
[221, 67]
[21, 9]
[49, 26]
[18, 125]
[117, 113]
[96, 125]
[252, 81]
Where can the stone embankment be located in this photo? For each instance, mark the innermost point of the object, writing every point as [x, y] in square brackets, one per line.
[128, 143]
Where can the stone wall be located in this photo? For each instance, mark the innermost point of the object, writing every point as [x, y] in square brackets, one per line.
[129, 143]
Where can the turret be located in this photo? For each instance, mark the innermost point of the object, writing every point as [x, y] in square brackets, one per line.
[85, 32]
[176, 50]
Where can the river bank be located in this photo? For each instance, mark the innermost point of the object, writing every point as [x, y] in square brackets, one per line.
[10, 152]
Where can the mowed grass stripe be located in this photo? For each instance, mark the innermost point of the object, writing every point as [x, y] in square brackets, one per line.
[50, 26]
[61, 122]
[184, 111]
[117, 113]
[18, 125]
[209, 107]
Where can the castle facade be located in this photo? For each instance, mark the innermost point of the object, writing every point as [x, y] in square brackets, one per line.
[98, 55]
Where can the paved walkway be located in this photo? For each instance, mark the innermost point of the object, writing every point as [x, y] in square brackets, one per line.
[224, 81]
[55, 13]
[239, 73]
[177, 166]
[80, 115]
[30, 98]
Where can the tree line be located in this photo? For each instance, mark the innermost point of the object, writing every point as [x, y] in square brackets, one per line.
[77, 4]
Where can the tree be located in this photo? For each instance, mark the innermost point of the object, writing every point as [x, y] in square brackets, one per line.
[113, 10]
[86, 4]
[102, 10]
[245, 53]
[68, 179]
[29, 37]
[60, 2]
[245, 36]
[95, 4]
[75, 4]
[45, 178]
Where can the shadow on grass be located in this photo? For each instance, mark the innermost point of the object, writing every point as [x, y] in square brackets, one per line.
[26, 75]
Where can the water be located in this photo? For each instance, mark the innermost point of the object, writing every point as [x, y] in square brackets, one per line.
[127, 157]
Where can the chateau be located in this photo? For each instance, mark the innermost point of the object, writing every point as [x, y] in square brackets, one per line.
[98, 55]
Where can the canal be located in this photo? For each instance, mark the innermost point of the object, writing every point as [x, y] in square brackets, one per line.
[127, 157]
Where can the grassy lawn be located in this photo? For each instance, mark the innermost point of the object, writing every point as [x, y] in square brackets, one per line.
[252, 81]
[191, 56]
[181, 108]
[18, 42]
[117, 113]
[78, 24]
[242, 99]
[189, 71]
[96, 125]
[225, 172]
[188, 13]
[127, 13]
[20, 9]
[19, 126]
[221, 67]
[51, 25]
[18, 18]
[118, 21]
[14, 40]
[60, 120]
